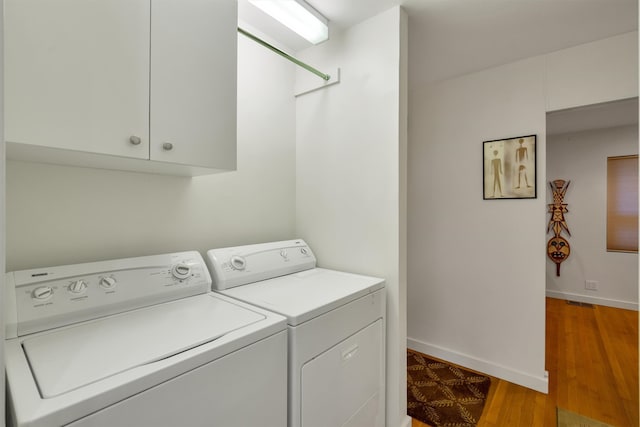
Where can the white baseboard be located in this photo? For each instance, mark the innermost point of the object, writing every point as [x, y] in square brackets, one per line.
[406, 421]
[628, 305]
[524, 379]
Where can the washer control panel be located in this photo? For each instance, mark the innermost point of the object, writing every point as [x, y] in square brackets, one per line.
[46, 298]
[241, 265]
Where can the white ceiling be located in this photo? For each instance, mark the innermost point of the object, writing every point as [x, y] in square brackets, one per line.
[454, 37]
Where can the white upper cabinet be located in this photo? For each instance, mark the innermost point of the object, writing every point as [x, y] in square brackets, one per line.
[193, 82]
[145, 85]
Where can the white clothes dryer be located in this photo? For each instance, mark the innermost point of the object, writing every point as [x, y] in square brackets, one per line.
[140, 342]
[336, 324]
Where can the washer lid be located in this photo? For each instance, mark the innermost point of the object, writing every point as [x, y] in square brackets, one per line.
[70, 358]
[308, 294]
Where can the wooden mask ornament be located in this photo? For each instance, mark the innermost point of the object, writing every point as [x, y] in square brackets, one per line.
[558, 248]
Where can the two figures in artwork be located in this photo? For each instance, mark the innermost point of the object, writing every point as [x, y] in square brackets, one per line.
[522, 156]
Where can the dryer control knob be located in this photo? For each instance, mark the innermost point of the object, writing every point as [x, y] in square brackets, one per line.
[238, 262]
[181, 271]
[107, 283]
[42, 293]
[78, 287]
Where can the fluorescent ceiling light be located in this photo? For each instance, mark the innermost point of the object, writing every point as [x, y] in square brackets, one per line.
[298, 16]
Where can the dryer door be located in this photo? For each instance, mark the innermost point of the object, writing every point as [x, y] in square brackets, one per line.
[344, 386]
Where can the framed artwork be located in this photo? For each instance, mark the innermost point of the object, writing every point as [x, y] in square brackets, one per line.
[509, 168]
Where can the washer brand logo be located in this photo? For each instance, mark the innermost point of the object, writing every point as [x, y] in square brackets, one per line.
[39, 274]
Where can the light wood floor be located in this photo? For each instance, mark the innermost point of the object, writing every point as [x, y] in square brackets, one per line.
[592, 359]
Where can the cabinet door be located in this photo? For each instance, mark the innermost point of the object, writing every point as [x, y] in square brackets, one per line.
[77, 74]
[193, 82]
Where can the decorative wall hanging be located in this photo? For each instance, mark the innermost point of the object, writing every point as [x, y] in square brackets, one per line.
[509, 168]
[558, 248]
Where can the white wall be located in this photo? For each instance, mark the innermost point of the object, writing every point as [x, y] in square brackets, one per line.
[58, 215]
[582, 158]
[2, 215]
[605, 70]
[476, 267]
[350, 167]
[476, 277]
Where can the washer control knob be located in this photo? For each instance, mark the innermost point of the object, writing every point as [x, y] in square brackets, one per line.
[42, 293]
[304, 251]
[181, 271]
[283, 254]
[238, 262]
[77, 287]
[107, 283]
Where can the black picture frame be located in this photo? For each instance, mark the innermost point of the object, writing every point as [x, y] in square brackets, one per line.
[509, 168]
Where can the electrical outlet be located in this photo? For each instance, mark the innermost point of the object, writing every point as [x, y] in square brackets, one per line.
[591, 285]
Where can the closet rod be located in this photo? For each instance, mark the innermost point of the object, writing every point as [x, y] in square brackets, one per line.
[285, 55]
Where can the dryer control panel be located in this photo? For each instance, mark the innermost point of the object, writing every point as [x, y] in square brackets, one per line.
[46, 298]
[240, 265]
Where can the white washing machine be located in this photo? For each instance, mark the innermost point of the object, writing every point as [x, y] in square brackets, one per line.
[336, 324]
[140, 342]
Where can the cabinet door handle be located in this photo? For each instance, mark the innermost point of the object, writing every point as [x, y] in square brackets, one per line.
[167, 146]
[135, 140]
